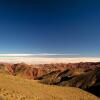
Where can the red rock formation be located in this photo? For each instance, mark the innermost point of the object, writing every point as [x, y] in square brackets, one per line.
[10, 69]
[34, 71]
[31, 73]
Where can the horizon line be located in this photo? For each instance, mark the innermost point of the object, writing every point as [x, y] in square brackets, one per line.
[40, 54]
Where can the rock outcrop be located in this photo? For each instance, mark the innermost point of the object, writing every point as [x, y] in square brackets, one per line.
[23, 70]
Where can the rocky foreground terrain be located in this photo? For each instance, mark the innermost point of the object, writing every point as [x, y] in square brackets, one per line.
[85, 76]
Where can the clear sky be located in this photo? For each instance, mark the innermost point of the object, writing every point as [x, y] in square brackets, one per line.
[50, 26]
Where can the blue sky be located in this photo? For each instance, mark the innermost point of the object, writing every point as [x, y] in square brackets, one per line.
[50, 26]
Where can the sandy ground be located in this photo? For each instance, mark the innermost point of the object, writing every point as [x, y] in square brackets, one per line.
[16, 88]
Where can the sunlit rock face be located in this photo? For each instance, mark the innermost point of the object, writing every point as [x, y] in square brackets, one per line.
[23, 70]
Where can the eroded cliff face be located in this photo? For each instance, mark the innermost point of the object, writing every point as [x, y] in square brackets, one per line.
[24, 70]
[37, 71]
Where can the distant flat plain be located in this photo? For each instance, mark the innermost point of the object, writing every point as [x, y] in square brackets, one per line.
[43, 60]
